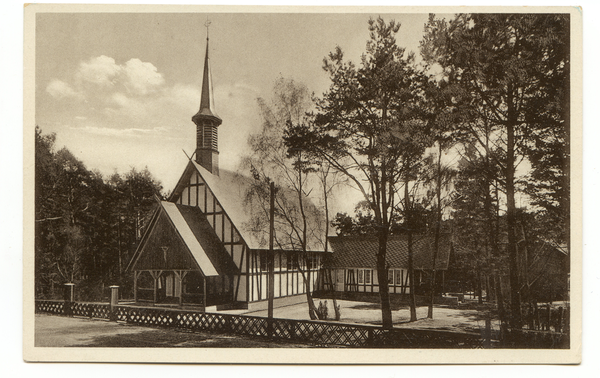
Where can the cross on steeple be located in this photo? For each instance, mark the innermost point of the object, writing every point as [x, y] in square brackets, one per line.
[207, 24]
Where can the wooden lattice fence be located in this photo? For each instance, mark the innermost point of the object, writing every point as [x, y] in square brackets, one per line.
[52, 307]
[83, 309]
[317, 333]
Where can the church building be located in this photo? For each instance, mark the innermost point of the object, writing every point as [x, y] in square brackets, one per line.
[202, 246]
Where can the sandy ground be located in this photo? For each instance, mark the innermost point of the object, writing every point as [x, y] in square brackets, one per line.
[444, 318]
[58, 331]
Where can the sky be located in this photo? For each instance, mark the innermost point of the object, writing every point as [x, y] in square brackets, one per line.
[119, 90]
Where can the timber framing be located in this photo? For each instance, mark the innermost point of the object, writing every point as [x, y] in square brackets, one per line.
[194, 195]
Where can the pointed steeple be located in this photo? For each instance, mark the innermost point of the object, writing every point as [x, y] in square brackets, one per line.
[207, 121]
[207, 104]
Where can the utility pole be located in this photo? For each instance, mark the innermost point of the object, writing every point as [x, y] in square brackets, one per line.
[119, 244]
[271, 261]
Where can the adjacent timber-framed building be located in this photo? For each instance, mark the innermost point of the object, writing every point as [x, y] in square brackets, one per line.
[353, 265]
[202, 246]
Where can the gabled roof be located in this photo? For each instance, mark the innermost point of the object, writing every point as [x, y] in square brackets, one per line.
[201, 239]
[193, 233]
[190, 239]
[231, 189]
[361, 251]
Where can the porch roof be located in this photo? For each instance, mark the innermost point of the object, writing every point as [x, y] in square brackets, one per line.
[201, 240]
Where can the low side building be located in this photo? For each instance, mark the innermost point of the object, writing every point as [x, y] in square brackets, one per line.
[353, 265]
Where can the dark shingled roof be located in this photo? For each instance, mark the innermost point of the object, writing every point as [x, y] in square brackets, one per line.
[360, 251]
[208, 239]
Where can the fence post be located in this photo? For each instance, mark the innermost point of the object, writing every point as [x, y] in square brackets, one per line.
[292, 328]
[370, 339]
[227, 326]
[69, 295]
[114, 301]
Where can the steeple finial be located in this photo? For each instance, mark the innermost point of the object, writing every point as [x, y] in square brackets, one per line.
[207, 24]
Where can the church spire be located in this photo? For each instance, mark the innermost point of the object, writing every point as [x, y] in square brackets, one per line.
[207, 121]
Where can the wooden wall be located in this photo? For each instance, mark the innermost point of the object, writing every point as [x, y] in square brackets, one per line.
[366, 280]
[288, 280]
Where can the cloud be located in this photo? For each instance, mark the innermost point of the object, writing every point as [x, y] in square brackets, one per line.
[101, 71]
[134, 90]
[131, 100]
[141, 77]
[120, 104]
[129, 132]
[59, 89]
[120, 99]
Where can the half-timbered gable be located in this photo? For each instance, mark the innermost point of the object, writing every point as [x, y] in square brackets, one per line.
[164, 249]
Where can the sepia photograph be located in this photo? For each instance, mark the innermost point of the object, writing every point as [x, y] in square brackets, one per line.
[323, 185]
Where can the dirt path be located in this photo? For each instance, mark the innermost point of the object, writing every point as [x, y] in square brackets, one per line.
[57, 331]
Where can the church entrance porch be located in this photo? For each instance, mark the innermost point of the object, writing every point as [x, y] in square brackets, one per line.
[181, 288]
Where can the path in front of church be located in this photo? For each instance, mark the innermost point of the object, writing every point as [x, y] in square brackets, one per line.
[57, 331]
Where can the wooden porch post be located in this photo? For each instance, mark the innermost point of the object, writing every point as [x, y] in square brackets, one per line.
[155, 277]
[179, 293]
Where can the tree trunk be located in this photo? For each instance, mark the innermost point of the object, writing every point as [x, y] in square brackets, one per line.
[523, 252]
[438, 224]
[515, 295]
[411, 272]
[382, 275]
[500, 296]
[327, 267]
[491, 246]
[479, 288]
[312, 309]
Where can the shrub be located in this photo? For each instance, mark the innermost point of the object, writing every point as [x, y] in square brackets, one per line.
[322, 310]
